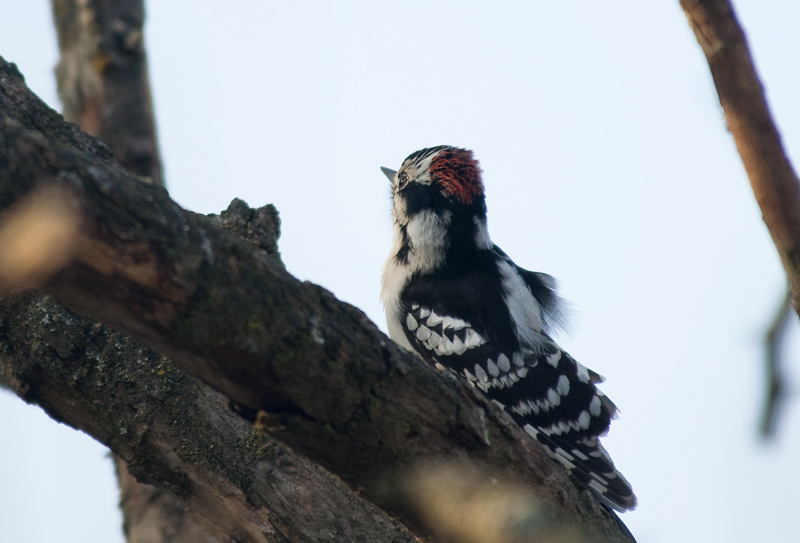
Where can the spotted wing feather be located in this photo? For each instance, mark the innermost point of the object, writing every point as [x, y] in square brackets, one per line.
[530, 386]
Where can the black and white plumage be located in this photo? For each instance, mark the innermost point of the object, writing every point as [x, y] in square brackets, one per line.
[462, 304]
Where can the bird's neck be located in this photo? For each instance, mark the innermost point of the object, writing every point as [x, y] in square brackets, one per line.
[431, 240]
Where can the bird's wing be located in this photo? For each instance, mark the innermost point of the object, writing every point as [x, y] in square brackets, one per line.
[548, 393]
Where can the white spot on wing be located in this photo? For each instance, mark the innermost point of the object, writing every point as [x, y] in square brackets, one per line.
[579, 454]
[434, 320]
[458, 346]
[473, 339]
[423, 333]
[480, 374]
[594, 406]
[597, 487]
[455, 324]
[519, 360]
[564, 457]
[522, 408]
[543, 405]
[492, 368]
[553, 359]
[503, 363]
[433, 341]
[583, 372]
[446, 345]
[563, 385]
[424, 313]
[411, 322]
[583, 420]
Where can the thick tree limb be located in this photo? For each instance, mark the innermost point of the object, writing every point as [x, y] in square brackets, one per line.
[741, 94]
[316, 373]
[177, 434]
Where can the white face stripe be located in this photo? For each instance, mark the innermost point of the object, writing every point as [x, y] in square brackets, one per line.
[417, 170]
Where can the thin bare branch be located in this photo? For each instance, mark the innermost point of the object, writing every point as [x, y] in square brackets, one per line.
[741, 94]
[776, 380]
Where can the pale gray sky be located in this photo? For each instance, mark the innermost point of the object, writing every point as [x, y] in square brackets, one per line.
[607, 165]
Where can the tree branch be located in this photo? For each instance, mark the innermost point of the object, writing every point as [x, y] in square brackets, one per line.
[103, 81]
[776, 377]
[741, 94]
[175, 433]
[315, 372]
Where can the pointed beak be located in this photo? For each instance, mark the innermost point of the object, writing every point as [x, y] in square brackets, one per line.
[389, 173]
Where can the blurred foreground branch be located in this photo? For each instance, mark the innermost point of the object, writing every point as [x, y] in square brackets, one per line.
[776, 378]
[313, 372]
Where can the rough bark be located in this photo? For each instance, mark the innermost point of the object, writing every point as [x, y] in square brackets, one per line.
[741, 94]
[103, 85]
[313, 372]
[103, 79]
[176, 434]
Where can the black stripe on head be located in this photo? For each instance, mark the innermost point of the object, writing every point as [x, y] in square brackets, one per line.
[422, 154]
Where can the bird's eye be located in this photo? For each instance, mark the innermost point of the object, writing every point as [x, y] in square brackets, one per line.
[402, 181]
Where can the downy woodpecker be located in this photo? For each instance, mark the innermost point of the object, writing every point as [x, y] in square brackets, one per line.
[462, 304]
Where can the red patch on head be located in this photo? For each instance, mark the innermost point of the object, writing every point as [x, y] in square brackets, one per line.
[458, 172]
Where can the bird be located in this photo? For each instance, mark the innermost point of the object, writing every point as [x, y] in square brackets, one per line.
[457, 300]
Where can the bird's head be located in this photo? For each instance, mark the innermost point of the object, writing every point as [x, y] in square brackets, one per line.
[439, 208]
[439, 180]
